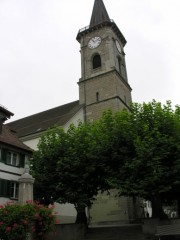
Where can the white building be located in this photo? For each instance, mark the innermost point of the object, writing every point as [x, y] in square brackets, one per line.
[13, 155]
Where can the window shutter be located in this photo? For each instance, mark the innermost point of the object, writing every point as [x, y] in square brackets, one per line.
[4, 188]
[1, 188]
[7, 189]
[3, 155]
[21, 160]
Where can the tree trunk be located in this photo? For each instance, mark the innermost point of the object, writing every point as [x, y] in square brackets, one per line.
[178, 207]
[81, 214]
[157, 210]
[135, 215]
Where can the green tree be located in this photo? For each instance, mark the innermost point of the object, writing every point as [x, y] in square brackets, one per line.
[137, 152]
[151, 166]
[52, 145]
[80, 171]
[67, 166]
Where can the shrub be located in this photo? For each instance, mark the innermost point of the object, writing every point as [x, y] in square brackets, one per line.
[18, 220]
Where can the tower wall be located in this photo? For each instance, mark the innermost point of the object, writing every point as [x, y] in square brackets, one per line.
[107, 91]
[107, 50]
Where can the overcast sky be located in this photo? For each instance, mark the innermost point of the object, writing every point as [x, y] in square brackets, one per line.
[40, 59]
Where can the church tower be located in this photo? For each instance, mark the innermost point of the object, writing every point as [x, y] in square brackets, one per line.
[104, 83]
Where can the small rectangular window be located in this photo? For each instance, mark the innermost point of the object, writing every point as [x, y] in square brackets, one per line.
[14, 190]
[12, 159]
[97, 96]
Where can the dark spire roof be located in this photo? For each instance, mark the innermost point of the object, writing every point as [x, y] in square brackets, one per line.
[99, 14]
[99, 19]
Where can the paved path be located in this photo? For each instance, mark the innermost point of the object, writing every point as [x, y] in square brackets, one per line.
[115, 232]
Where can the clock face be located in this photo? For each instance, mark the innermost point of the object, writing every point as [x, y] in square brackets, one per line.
[94, 42]
[118, 46]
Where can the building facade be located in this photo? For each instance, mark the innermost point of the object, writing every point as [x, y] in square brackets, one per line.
[13, 156]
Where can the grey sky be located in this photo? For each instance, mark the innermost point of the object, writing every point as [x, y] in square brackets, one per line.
[40, 59]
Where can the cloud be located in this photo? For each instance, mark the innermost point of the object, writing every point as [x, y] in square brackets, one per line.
[40, 62]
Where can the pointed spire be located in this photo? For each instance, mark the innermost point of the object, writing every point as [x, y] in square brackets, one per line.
[99, 19]
[99, 14]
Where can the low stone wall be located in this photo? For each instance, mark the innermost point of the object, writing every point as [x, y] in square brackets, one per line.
[150, 225]
[68, 232]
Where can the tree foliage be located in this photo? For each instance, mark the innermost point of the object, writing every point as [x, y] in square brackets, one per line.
[137, 152]
[68, 166]
[151, 170]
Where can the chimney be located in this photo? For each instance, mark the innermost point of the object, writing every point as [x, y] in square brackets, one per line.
[1, 123]
[4, 115]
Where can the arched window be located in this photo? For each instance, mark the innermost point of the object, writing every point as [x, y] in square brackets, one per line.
[96, 61]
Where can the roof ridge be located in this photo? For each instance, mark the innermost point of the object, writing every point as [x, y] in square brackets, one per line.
[47, 120]
[50, 109]
[42, 121]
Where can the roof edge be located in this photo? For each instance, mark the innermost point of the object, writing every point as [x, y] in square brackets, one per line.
[111, 24]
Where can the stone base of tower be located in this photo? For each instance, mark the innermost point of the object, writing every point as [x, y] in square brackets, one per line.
[108, 208]
[95, 111]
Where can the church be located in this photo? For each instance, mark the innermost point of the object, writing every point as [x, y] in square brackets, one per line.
[103, 85]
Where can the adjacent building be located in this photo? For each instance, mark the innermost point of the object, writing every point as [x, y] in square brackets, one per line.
[13, 155]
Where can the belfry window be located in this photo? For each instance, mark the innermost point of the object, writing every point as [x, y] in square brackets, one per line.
[96, 61]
